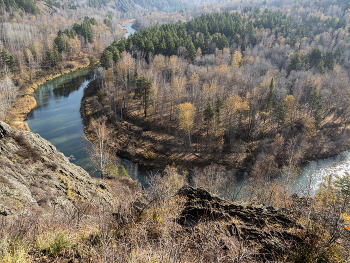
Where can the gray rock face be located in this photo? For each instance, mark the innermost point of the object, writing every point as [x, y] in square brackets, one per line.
[34, 175]
[4, 129]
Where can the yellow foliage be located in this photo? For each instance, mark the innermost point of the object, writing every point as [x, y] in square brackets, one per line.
[236, 105]
[221, 71]
[186, 115]
[36, 49]
[326, 192]
[159, 62]
[346, 219]
[174, 179]
[290, 108]
[236, 59]
[194, 78]
[281, 40]
[199, 52]
[149, 155]
[173, 64]
[29, 54]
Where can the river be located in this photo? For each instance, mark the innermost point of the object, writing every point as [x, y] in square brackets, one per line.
[57, 119]
[130, 30]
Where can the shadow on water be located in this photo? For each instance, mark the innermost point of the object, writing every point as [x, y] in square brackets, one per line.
[57, 119]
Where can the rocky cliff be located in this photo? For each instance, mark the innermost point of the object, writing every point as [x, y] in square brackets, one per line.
[35, 176]
[267, 229]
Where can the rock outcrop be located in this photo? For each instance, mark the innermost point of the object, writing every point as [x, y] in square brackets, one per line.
[35, 176]
[267, 228]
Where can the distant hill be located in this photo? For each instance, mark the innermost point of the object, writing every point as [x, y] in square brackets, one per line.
[141, 5]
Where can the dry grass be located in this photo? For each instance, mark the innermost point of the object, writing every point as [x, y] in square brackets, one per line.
[140, 228]
[143, 227]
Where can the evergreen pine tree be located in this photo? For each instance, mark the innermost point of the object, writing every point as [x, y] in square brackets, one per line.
[191, 50]
[294, 64]
[106, 58]
[93, 64]
[320, 67]
[209, 113]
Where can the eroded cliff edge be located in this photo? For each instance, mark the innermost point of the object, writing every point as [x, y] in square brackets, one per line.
[34, 175]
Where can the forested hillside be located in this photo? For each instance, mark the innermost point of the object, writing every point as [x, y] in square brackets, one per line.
[256, 88]
[148, 5]
[141, 5]
[35, 47]
[28, 6]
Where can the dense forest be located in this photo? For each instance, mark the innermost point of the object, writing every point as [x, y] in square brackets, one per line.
[256, 88]
[28, 6]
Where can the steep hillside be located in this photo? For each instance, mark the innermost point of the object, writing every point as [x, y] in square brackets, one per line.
[34, 175]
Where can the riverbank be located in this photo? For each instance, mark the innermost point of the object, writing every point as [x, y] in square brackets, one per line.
[25, 102]
[143, 142]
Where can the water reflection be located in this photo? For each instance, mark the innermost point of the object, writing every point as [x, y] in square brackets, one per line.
[57, 118]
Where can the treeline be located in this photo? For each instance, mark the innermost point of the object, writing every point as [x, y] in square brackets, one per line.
[98, 3]
[261, 91]
[221, 30]
[206, 32]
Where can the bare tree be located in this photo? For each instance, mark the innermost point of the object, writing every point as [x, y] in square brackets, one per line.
[8, 94]
[98, 150]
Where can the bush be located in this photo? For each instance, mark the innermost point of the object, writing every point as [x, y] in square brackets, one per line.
[123, 172]
[26, 151]
[52, 166]
[100, 96]
[149, 156]
[60, 243]
[70, 66]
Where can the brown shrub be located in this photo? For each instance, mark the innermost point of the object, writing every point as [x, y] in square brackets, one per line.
[26, 151]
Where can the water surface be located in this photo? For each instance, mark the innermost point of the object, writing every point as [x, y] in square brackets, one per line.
[57, 118]
[131, 31]
[310, 175]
